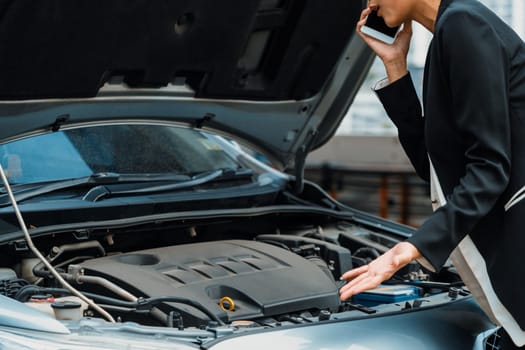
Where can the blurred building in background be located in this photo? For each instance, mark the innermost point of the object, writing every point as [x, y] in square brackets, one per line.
[511, 11]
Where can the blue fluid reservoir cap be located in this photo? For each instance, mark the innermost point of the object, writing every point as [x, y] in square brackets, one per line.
[387, 294]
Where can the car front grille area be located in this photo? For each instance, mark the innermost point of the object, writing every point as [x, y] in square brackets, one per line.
[492, 342]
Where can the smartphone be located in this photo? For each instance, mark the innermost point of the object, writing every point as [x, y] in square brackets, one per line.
[376, 27]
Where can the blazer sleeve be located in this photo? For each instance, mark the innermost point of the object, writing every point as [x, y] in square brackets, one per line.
[476, 65]
[402, 105]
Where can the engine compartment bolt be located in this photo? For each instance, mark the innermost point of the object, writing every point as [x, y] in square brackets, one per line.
[324, 315]
[453, 293]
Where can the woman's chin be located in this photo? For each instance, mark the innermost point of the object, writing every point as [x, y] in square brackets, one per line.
[391, 23]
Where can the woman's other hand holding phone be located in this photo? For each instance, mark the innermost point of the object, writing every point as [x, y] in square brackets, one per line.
[394, 56]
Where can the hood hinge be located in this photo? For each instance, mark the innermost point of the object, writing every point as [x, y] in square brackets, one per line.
[199, 123]
[59, 121]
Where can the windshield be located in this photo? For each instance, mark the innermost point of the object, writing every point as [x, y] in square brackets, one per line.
[121, 149]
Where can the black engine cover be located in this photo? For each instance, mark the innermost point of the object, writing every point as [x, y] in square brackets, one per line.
[262, 279]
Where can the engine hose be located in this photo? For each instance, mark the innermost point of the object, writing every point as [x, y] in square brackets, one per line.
[58, 251]
[26, 292]
[150, 302]
[368, 252]
[39, 269]
[141, 304]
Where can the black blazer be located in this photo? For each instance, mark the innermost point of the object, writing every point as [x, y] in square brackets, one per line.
[474, 132]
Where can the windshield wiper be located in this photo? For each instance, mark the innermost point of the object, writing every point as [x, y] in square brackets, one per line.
[27, 191]
[99, 192]
[123, 184]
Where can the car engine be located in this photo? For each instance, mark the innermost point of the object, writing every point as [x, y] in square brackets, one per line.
[235, 279]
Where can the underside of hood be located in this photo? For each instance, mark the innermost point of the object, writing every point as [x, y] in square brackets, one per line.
[249, 49]
[278, 74]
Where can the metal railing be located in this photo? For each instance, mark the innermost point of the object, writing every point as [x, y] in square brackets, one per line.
[398, 195]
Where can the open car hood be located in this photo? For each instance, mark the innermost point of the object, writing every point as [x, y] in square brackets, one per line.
[278, 74]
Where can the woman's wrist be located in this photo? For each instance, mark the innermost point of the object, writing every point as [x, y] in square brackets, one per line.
[395, 70]
[405, 253]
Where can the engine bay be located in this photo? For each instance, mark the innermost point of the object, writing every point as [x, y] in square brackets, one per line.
[258, 271]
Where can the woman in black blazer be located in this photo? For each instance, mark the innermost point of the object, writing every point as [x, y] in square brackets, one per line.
[470, 145]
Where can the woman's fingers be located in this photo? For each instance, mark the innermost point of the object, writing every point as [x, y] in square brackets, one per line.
[364, 278]
[351, 274]
[350, 288]
[381, 269]
[362, 20]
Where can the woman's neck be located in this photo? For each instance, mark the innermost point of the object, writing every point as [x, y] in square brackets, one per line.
[425, 13]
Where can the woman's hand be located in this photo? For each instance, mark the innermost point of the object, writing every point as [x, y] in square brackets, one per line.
[394, 56]
[382, 268]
